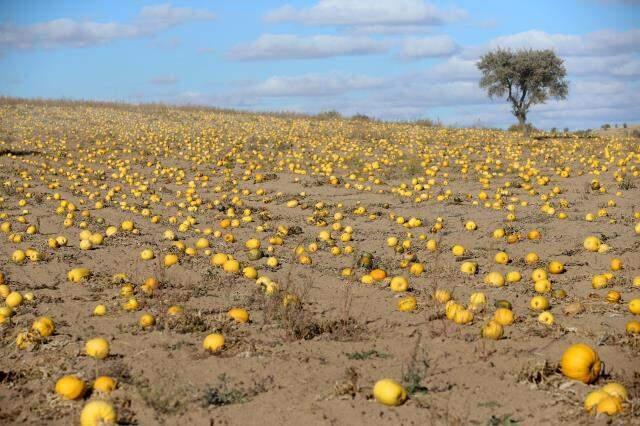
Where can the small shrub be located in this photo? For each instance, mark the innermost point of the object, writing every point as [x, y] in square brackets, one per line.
[223, 394]
[364, 355]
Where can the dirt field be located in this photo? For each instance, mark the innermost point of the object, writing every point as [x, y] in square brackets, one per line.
[318, 338]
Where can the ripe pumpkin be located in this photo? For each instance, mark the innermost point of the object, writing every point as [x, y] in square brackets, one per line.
[378, 274]
[592, 243]
[493, 330]
[70, 387]
[539, 303]
[609, 405]
[399, 284]
[238, 315]
[97, 413]
[617, 390]
[503, 316]
[213, 342]
[97, 348]
[546, 318]
[44, 326]
[581, 362]
[633, 327]
[78, 274]
[593, 398]
[104, 384]
[389, 392]
[469, 268]
[463, 316]
[442, 296]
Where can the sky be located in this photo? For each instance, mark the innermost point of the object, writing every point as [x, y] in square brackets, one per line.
[389, 59]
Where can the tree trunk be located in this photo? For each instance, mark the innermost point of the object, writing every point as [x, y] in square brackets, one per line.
[522, 122]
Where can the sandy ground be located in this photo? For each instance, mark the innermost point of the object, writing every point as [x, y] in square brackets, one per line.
[317, 365]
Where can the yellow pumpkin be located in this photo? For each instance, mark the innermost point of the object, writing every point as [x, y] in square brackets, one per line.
[78, 274]
[378, 274]
[213, 342]
[44, 326]
[469, 268]
[503, 316]
[407, 304]
[399, 284]
[146, 320]
[539, 303]
[493, 330]
[98, 413]
[14, 299]
[592, 243]
[617, 390]
[463, 316]
[238, 315]
[494, 279]
[593, 398]
[442, 296]
[451, 308]
[97, 348]
[546, 318]
[633, 327]
[104, 384]
[70, 387]
[389, 392]
[477, 299]
[609, 405]
[556, 267]
[581, 362]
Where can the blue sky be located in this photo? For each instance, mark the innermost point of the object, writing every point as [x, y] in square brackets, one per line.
[392, 59]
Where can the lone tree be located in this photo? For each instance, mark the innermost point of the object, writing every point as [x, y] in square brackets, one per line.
[527, 77]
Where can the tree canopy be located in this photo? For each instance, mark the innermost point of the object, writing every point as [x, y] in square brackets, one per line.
[526, 77]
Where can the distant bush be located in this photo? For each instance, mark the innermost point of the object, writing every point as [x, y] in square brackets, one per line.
[329, 115]
[527, 128]
[624, 125]
[566, 130]
[605, 126]
[427, 122]
[583, 133]
[361, 117]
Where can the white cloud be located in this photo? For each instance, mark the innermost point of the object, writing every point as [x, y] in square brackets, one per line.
[66, 32]
[164, 80]
[289, 46]
[165, 16]
[367, 13]
[622, 66]
[428, 47]
[455, 68]
[604, 42]
[388, 29]
[314, 85]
